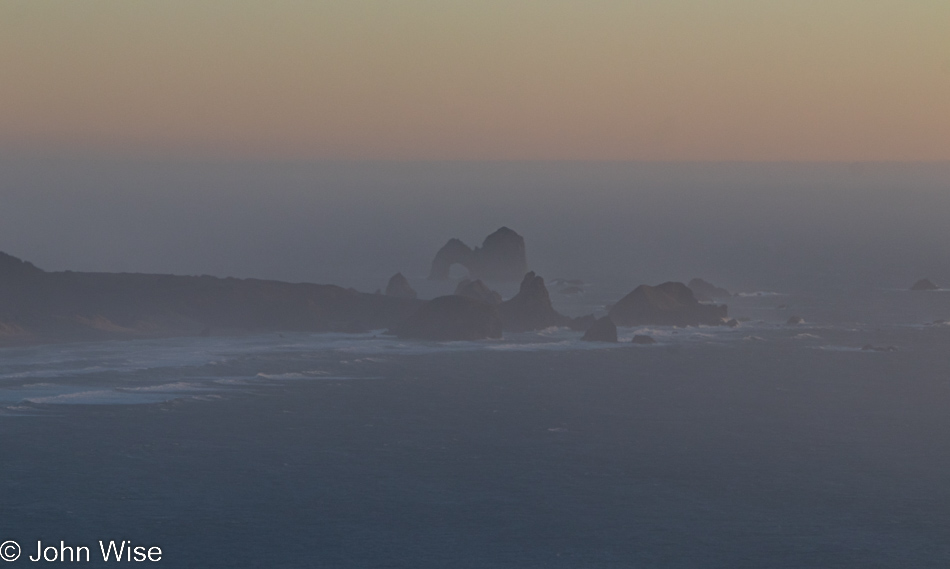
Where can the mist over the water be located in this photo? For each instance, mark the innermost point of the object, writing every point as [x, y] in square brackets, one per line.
[746, 226]
[809, 433]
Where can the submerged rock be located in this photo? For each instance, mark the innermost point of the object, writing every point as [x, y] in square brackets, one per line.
[668, 304]
[924, 284]
[795, 320]
[643, 339]
[603, 330]
[450, 318]
[399, 287]
[531, 308]
[501, 258]
[707, 291]
[478, 290]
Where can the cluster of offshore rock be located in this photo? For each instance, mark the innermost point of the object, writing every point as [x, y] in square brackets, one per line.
[40, 306]
[476, 311]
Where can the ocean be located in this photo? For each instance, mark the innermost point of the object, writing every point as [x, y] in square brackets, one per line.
[764, 445]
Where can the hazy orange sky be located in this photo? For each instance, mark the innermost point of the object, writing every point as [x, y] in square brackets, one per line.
[481, 79]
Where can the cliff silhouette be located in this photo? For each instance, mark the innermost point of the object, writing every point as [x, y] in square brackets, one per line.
[40, 306]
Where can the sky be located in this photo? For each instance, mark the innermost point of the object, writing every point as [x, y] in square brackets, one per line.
[631, 80]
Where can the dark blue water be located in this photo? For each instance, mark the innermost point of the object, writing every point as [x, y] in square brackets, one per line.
[762, 446]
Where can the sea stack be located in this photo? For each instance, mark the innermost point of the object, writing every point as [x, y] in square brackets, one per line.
[668, 304]
[452, 253]
[531, 308]
[602, 330]
[501, 258]
[924, 284]
[399, 287]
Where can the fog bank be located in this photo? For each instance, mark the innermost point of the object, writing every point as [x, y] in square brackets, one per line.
[746, 226]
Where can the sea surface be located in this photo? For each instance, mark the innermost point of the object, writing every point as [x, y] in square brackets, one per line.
[765, 445]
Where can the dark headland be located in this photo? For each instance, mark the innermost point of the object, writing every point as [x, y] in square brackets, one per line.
[37, 306]
[40, 306]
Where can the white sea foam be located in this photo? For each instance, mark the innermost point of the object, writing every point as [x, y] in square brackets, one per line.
[212, 397]
[57, 361]
[20, 411]
[232, 381]
[551, 330]
[320, 375]
[102, 397]
[134, 372]
[177, 387]
[538, 346]
[293, 375]
[128, 356]
[759, 293]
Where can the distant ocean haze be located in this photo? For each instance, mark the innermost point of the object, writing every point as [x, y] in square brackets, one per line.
[811, 431]
[744, 226]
